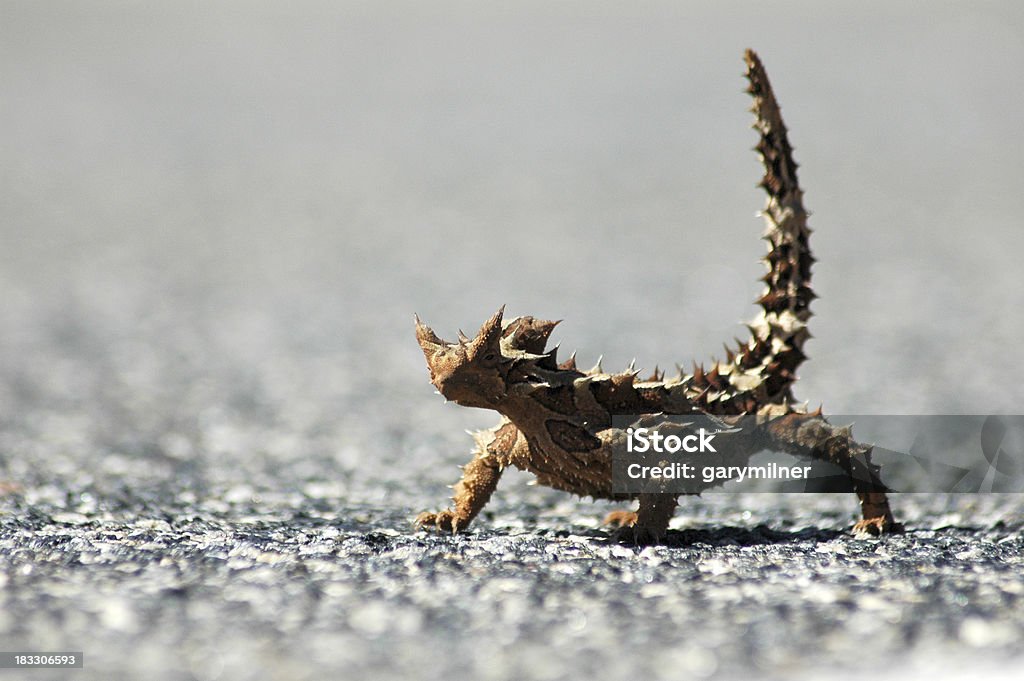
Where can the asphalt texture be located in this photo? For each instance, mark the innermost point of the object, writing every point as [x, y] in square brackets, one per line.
[215, 424]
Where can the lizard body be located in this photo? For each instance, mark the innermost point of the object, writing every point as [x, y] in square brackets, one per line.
[557, 420]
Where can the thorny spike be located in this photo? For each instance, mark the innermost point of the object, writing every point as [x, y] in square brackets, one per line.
[698, 375]
[624, 379]
[489, 335]
[569, 364]
[425, 335]
[549, 360]
[729, 354]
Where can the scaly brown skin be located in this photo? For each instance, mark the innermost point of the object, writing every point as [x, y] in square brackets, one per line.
[556, 420]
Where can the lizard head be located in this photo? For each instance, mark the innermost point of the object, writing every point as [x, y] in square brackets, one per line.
[471, 372]
[477, 372]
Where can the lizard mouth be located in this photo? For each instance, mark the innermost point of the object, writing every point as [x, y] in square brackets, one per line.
[464, 393]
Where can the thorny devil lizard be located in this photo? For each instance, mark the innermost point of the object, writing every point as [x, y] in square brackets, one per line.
[557, 420]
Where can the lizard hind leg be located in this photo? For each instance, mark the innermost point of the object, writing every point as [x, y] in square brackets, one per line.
[648, 524]
[876, 515]
[811, 436]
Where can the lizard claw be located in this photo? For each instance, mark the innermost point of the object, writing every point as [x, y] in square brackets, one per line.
[423, 520]
[636, 535]
[873, 527]
[442, 521]
[628, 532]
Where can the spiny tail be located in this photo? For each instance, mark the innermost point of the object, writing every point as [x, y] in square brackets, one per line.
[760, 373]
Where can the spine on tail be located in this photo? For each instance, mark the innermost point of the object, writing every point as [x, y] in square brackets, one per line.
[786, 302]
[760, 372]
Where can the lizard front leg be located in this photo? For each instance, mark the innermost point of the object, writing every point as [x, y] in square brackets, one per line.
[470, 494]
[494, 449]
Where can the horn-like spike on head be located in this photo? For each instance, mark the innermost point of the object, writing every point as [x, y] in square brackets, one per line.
[488, 338]
[428, 340]
[529, 333]
[462, 338]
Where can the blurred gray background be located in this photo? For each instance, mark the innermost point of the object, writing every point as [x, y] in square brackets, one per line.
[217, 221]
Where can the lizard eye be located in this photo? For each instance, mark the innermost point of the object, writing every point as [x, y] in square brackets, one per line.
[489, 357]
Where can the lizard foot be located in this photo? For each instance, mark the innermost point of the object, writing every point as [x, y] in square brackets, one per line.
[873, 527]
[443, 521]
[620, 518]
[636, 535]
